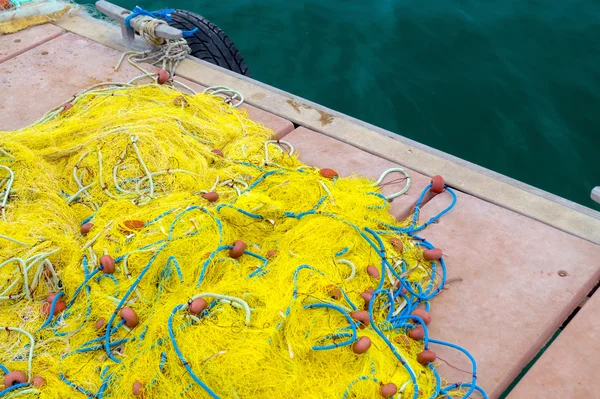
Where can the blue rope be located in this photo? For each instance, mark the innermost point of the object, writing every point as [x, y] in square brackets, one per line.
[342, 252]
[391, 346]
[163, 15]
[80, 389]
[348, 299]
[122, 302]
[4, 369]
[243, 212]
[348, 318]
[13, 388]
[473, 384]
[83, 284]
[51, 311]
[182, 358]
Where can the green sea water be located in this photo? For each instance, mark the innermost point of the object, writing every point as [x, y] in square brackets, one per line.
[510, 85]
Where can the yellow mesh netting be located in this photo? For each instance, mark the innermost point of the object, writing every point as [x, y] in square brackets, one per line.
[136, 163]
[41, 17]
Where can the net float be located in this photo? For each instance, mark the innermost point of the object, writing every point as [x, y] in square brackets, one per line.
[59, 306]
[107, 264]
[162, 76]
[388, 390]
[417, 333]
[130, 317]
[362, 345]
[334, 292]
[437, 184]
[100, 323]
[328, 173]
[197, 305]
[397, 244]
[14, 378]
[373, 271]
[211, 197]
[85, 228]
[432, 254]
[217, 152]
[238, 249]
[272, 253]
[367, 296]
[50, 297]
[426, 356]
[38, 381]
[361, 316]
[134, 224]
[138, 389]
[425, 316]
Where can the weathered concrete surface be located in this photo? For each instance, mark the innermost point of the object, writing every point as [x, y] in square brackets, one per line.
[49, 74]
[509, 298]
[19, 42]
[570, 367]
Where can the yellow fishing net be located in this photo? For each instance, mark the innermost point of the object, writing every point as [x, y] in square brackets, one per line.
[134, 166]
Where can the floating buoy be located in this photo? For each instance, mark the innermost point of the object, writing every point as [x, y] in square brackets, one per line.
[361, 316]
[432, 254]
[162, 77]
[362, 345]
[38, 381]
[197, 305]
[138, 389]
[417, 333]
[373, 271]
[334, 292]
[425, 316]
[134, 224]
[388, 390]
[426, 356]
[211, 197]
[85, 228]
[100, 323]
[130, 317]
[367, 296]
[59, 306]
[238, 249]
[50, 297]
[437, 184]
[397, 244]
[107, 264]
[217, 152]
[272, 253]
[14, 378]
[328, 173]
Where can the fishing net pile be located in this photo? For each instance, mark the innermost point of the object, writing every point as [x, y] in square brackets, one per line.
[161, 245]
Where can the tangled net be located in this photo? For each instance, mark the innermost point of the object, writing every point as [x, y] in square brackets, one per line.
[163, 245]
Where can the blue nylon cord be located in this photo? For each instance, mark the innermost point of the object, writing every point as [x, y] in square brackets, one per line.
[13, 388]
[471, 358]
[391, 346]
[163, 15]
[348, 318]
[122, 302]
[51, 311]
[182, 358]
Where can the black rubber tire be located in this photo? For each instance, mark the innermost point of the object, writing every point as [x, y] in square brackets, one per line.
[209, 43]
